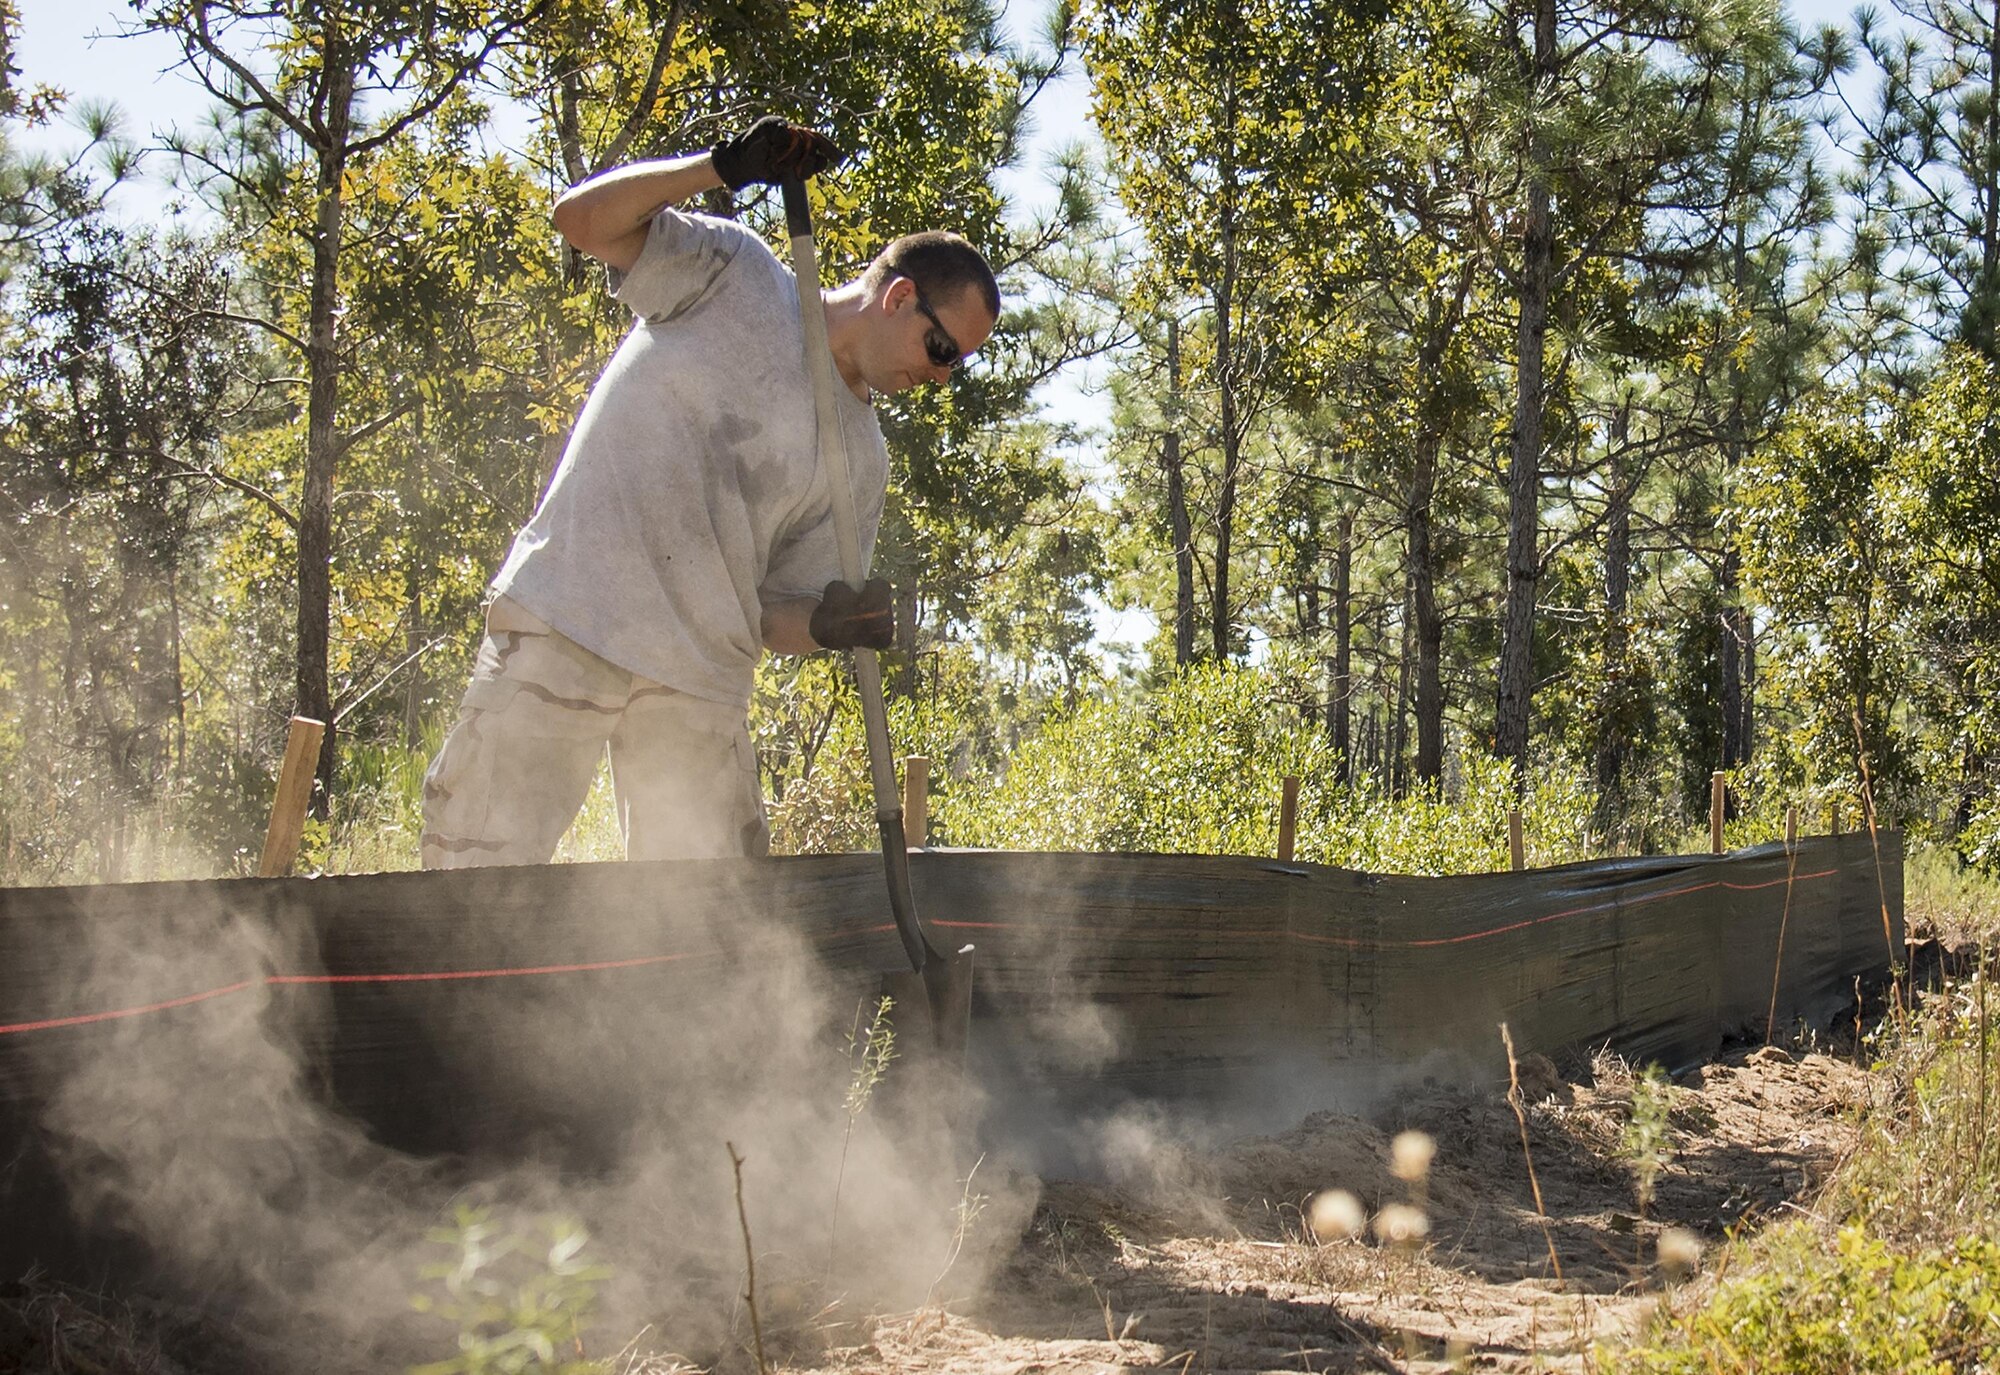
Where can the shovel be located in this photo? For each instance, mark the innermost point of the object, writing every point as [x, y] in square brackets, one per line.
[944, 981]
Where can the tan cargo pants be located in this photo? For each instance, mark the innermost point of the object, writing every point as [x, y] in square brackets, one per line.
[533, 725]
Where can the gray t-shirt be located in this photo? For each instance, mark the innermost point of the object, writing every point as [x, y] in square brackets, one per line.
[691, 491]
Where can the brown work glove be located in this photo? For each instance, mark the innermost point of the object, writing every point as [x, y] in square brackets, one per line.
[771, 150]
[847, 619]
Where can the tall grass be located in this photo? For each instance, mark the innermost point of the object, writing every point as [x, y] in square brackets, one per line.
[1894, 1267]
[1194, 765]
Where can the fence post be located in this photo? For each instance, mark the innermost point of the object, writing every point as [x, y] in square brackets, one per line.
[288, 808]
[916, 801]
[1517, 851]
[1791, 827]
[1288, 819]
[1834, 817]
[1718, 793]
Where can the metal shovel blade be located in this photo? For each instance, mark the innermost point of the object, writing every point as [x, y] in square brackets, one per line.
[937, 982]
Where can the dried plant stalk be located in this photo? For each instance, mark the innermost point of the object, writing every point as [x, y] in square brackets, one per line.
[1521, 1116]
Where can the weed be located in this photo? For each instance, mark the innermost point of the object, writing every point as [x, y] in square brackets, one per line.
[1527, 1151]
[596, 834]
[1647, 1141]
[970, 1206]
[1334, 1215]
[1946, 898]
[1928, 1154]
[1410, 1156]
[520, 1298]
[869, 1053]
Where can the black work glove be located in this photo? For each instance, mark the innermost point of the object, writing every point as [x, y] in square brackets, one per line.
[771, 150]
[847, 619]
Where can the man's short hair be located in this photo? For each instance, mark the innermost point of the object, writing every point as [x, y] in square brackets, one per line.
[939, 262]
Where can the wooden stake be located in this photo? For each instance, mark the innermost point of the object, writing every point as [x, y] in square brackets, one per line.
[1791, 827]
[1718, 795]
[916, 801]
[1517, 849]
[288, 808]
[1288, 819]
[1834, 808]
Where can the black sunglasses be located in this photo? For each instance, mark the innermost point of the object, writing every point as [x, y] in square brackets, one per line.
[939, 346]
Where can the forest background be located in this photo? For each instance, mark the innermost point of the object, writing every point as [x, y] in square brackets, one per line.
[1543, 403]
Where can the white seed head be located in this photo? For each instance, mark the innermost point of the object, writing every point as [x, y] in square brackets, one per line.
[1680, 1252]
[1410, 1155]
[1335, 1215]
[1398, 1224]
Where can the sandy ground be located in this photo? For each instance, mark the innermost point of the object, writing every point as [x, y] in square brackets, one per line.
[1215, 1269]
[1217, 1274]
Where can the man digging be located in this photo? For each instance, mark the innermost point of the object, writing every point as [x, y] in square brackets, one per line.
[688, 526]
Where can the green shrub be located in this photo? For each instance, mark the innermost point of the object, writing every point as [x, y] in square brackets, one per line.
[1845, 1305]
[1901, 1274]
[1456, 829]
[1197, 767]
[519, 1298]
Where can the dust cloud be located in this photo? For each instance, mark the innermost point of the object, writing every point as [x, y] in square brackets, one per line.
[292, 1155]
[208, 1140]
[1142, 1098]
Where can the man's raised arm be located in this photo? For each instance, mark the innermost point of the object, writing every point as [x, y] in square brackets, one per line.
[607, 215]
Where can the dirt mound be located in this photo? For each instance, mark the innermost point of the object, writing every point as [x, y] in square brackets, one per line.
[1208, 1265]
[1101, 1281]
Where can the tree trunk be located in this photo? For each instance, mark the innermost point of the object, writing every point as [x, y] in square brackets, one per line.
[314, 693]
[1736, 647]
[1340, 697]
[1178, 521]
[413, 591]
[1307, 544]
[1427, 625]
[569, 147]
[179, 669]
[1613, 750]
[1749, 686]
[1307, 594]
[1232, 445]
[1863, 675]
[1982, 313]
[1524, 475]
[1433, 419]
[1399, 732]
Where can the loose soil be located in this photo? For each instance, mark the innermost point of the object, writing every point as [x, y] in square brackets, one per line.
[1216, 1271]
[1223, 1278]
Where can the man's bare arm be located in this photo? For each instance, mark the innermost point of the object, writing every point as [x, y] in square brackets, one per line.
[608, 215]
[787, 626]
